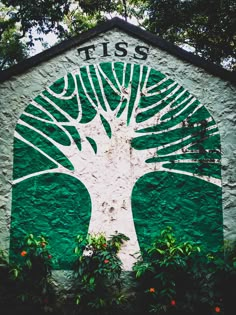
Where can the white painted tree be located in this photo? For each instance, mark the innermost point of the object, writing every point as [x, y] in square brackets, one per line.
[109, 124]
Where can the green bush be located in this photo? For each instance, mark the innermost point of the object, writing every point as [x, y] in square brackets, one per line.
[97, 272]
[173, 277]
[177, 277]
[28, 282]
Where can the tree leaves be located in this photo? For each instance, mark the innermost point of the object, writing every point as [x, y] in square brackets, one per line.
[208, 27]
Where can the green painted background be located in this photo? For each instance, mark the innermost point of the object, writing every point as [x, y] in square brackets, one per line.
[191, 206]
[56, 204]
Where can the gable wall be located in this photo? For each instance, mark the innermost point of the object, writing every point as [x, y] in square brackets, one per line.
[217, 95]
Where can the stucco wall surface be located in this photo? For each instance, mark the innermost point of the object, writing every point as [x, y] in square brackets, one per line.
[217, 95]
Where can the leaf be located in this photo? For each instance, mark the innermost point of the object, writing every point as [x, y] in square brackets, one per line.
[91, 280]
[160, 251]
[29, 242]
[78, 299]
[139, 273]
[28, 263]
[180, 249]
[15, 273]
[76, 250]
[102, 302]
[172, 250]
[198, 249]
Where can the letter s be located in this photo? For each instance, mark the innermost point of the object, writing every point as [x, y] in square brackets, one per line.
[139, 51]
[119, 47]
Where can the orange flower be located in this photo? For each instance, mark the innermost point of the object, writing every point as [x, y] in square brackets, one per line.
[217, 309]
[173, 302]
[152, 290]
[104, 245]
[106, 261]
[23, 253]
[43, 244]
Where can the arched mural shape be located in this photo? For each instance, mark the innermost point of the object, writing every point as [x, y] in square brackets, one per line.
[116, 147]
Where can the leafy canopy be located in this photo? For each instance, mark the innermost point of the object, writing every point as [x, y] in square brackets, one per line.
[208, 27]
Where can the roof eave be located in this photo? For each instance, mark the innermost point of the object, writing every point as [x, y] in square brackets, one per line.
[132, 30]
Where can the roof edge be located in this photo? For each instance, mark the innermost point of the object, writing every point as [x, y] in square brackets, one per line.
[129, 28]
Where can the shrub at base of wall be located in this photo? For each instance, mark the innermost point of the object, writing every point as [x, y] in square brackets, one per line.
[174, 277]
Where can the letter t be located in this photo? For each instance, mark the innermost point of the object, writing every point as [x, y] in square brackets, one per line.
[86, 50]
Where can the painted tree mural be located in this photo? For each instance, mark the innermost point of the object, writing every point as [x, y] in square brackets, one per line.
[116, 146]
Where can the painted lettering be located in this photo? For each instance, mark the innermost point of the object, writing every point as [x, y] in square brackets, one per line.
[105, 50]
[86, 51]
[118, 46]
[140, 50]
[119, 49]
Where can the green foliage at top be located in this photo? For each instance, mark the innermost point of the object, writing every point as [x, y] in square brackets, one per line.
[42, 14]
[77, 22]
[12, 49]
[207, 26]
[97, 271]
[22, 22]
